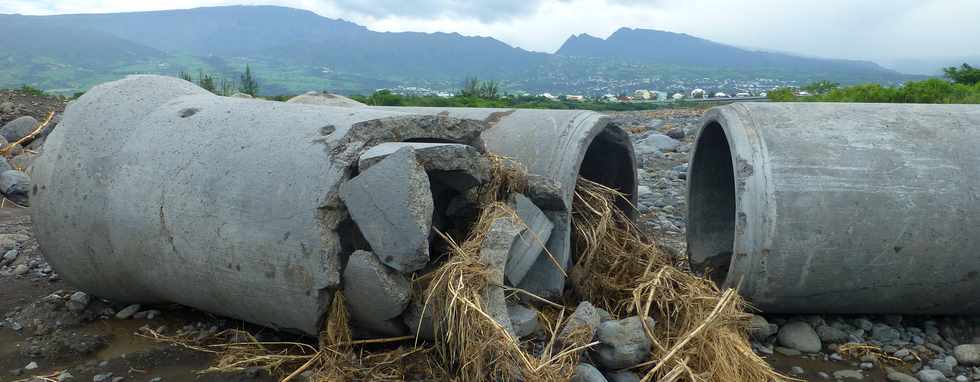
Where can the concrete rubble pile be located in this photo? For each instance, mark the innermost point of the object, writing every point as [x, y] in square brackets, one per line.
[264, 209]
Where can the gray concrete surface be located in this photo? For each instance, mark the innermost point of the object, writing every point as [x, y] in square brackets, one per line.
[392, 205]
[530, 243]
[839, 208]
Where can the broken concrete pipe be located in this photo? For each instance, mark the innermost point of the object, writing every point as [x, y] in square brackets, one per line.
[153, 190]
[839, 208]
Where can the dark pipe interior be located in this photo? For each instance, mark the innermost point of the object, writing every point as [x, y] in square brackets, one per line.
[608, 162]
[711, 204]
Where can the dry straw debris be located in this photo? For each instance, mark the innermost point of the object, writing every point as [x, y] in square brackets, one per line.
[699, 333]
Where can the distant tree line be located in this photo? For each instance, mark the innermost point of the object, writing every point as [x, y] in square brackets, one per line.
[962, 85]
[477, 93]
[246, 82]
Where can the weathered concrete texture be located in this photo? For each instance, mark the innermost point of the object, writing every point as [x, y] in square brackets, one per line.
[530, 244]
[459, 166]
[18, 128]
[840, 208]
[374, 292]
[392, 206]
[324, 99]
[623, 343]
[16, 186]
[494, 251]
[523, 319]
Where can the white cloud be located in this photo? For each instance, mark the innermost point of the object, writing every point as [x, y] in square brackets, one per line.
[830, 28]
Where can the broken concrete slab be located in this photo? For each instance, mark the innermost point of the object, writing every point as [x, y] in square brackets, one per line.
[531, 241]
[375, 293]
[457, 165]
[523, 319]
[545, 193]
[392, 205]
[494, 251]
[549, 280]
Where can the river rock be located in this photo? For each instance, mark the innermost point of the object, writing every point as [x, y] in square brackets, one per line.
[623, 343]
[800, 336]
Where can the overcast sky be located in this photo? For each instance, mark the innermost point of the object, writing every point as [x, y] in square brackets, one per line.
[865, 29]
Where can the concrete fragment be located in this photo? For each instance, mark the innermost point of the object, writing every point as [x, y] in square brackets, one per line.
[18, 128]
[392, 206]
[374, 292]
[544, 192]
[457, 165]
[587, 373]
[494, 251]
[623, 343]
[16, 186]
[523, 319]
[967, 354]
[324, 99]
[848, 374]
[531, 242]
[549, 281]
[800, 336]
[585, 319]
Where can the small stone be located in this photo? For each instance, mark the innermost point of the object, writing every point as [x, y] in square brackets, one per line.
[800, 336]
[968, 354]
[676, 133]
[128, 312]
[866, 365]
[760, 329]
[31, 366]
[156, 379]
[587, 373]
[78, 301]
[20, 269]
[884, 333]
[895, 376]
[623, 343]
[962, 378]
[787, 351]
[796, 370]
[118, 379]
[623, 376]
[823, 375]
[830, 334]
[103, 377]
[10, 256]
[848, 374]
[523, 319]
[931, 375]
[65, 376]
[18, 128]
[15, 186]
[585, 319]
[944, 365]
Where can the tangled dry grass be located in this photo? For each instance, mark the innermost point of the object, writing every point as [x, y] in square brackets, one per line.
[699, 333]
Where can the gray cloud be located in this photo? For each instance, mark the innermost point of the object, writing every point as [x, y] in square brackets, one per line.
[484, 11]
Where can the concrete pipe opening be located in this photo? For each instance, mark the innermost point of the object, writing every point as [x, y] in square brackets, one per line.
[711, 197]
[609, 161]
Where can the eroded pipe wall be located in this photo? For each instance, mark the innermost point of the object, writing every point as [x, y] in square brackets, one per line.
[840, 208]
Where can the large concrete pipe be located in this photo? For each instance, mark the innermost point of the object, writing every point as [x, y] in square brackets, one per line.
[839, 208]
[154, 190]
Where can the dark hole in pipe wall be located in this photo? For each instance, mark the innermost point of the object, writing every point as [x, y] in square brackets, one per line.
[711, 204]
[608, 162]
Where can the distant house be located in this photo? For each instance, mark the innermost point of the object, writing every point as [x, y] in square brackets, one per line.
[698, 93]
[763, 94]
[548, 96]
[609, 98]
[721, 95]
[743, 94]
[624, 98]
[677, 96]
[574, 98]
[642, 94]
